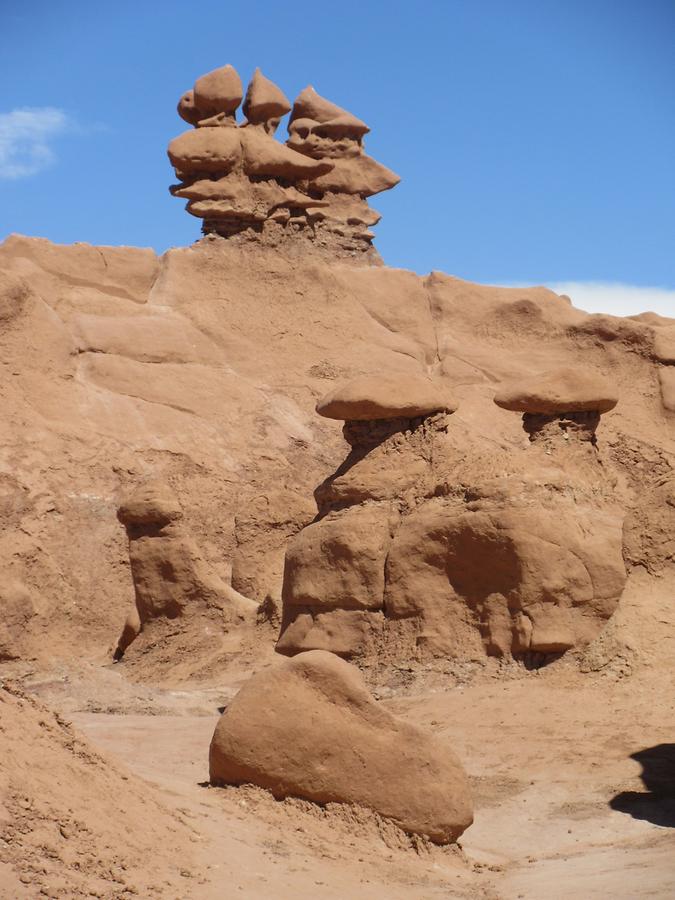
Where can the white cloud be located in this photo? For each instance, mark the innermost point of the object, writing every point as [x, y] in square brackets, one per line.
[617, 299]
[25, 136]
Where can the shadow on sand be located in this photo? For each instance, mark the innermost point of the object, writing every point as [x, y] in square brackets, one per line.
[657, 803]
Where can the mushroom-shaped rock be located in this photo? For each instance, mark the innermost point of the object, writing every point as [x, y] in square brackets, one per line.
[309, 728]
[219, 91]
[372, 397]
[563, 391]
[152, 505]
[264, 100]
[310, 105]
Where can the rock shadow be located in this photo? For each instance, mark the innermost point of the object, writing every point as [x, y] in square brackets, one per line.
[657, 803]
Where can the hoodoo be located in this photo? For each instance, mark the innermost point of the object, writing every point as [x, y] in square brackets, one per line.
[240, 181]
[565, 402]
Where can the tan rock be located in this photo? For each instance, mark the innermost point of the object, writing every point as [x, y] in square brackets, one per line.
[339, 560]
[667, 382]
[345, 632]
[309, 728]
[187, 109]
[265, 156]
[14, 296]
[371, 397]
[359, 175]
[472, 575]
[264, 100]
[311, 105]
[17, 608]
[171, 578]
[202, 150]
[150, 505]
[560, 391]
[219, 91]
[664, 344]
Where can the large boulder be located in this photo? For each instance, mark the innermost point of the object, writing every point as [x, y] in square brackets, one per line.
[309, 728]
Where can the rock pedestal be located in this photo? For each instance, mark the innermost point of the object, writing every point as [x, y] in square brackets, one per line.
[403, 560]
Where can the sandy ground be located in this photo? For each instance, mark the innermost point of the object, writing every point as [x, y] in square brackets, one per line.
[562, 810]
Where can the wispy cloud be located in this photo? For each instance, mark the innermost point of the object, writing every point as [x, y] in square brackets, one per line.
[616, 298]
[25, 139]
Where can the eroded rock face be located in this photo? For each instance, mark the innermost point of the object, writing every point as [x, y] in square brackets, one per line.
[309, 728]
[18, 608]
[406, 559]
[171, 578]
[240, 180]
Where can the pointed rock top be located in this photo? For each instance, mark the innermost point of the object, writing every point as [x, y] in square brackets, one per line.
[564, 390]
[264, 100]
[219, 91]
[372, 397]
[310, 105]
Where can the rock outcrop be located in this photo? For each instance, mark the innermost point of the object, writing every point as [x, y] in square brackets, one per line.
[407, 558]
[567, 402]
[171, 578]
[240, 180]
[309, 728]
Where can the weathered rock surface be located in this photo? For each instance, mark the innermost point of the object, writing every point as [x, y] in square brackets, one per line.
[561, 391]
[406, 558]
[241, 181]
[309, 728]
[203, 371]
[374, 397]
[17, 608]
[171, 578]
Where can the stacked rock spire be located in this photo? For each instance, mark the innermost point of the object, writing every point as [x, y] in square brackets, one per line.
[239, 179]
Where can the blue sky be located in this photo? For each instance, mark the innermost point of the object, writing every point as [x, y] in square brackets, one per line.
[535, 138]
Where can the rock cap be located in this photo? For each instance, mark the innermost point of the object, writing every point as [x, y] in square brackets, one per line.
[560, 391]
[372, 397]
[153, 504]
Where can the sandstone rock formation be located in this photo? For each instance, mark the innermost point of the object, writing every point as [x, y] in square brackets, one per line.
[372, 398]
[405, 558]
[171, 578]
[239, 180]
[309, 728]
[567, 400]
[202, 368]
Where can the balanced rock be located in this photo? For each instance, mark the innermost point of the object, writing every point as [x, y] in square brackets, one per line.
[565, 390]
[309, 728]
[565, 403]
[240, 181]
[373, 397]
[218, 92]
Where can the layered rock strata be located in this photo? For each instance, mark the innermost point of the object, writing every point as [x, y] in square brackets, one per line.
[309, 728]
[241, 181]
[405, 558]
